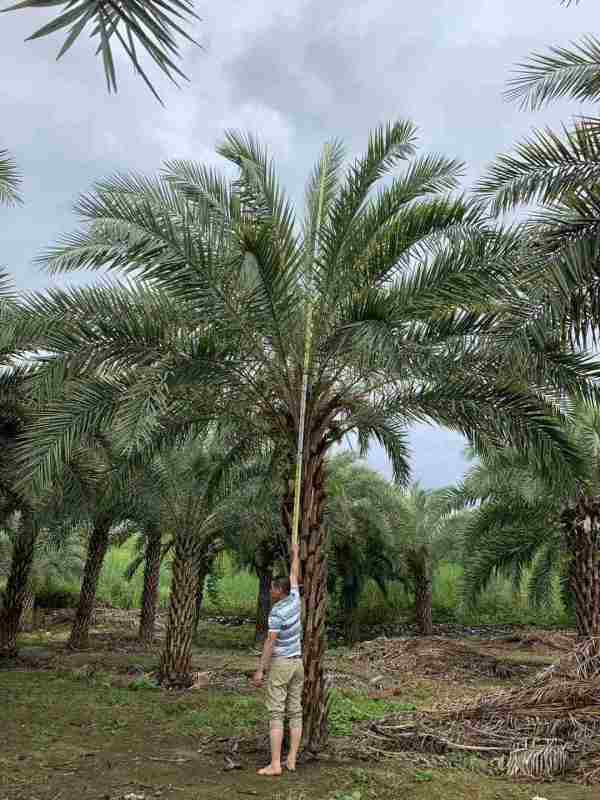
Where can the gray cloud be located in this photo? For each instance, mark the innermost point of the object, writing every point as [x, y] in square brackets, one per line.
[298, 73]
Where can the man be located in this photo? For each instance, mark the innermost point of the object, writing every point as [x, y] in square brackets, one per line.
[282, 652]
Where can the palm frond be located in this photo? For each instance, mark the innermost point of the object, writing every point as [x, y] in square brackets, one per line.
[154, 26]
[545, 168]
[10, 180]
[560, 72]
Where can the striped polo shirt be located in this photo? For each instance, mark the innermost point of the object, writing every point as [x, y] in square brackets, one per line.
[285, 621]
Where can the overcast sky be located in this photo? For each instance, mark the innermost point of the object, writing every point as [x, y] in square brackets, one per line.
[295, 72]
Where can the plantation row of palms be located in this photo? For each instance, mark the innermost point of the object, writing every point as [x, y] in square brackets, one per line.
[234, 325]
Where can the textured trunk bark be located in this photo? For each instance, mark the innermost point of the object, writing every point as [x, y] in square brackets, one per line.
[17, 587]
[423, 603]
[581, 529]
[151, 584]
[203, 571]
[28, 608]
[263, 603]
[176, 659]
[314, 575]
[97, 547]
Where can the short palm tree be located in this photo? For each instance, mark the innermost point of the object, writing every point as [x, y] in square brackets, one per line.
[425, 533]
[153, 26]
[408, 299]
[526, 519]
[195, 482]
[58, 557]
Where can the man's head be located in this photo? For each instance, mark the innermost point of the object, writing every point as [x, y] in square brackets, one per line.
[280, 588]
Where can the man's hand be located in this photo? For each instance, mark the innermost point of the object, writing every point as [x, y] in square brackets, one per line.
[258, 678]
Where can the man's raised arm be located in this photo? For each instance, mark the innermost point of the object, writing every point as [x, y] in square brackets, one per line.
[295, 568]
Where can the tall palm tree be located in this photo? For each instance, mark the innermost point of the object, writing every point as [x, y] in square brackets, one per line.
[414, 311]
[153, 26]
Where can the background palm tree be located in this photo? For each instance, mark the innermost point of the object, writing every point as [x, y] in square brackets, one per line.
[58, 557]
[424, 534]
[153, 26]
[358, 520]
[528, 519]
[416, 316]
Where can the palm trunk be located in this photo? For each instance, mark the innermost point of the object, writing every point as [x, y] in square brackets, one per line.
[97, 547]
[17, 587]
[203, 571]
[581, 527]
[423, 603]
[314, 573]
[176, 659]
[28, 609]
[349, 604]
[151, 585]
[263, 602]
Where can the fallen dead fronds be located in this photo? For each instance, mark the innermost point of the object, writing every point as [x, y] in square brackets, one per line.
[545, 728]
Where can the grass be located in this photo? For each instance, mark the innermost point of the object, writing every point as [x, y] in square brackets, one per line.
[83, 737]
[346, 709]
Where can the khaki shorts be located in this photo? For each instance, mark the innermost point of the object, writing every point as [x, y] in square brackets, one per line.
[284, 691]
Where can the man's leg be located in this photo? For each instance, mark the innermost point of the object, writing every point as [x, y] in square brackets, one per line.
[276, 699]
[294, 703]
[276, 736]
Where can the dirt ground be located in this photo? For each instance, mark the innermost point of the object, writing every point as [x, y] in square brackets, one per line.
[92, 725]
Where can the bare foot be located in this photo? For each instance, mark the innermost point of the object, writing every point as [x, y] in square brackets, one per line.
[270, 770]
[291, 764]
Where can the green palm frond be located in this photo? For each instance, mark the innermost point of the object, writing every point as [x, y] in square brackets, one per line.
[153, 26]
[422, 312]
[546, 567]
[560, 72]
[10, 180]
[545, 168]
[6, 287]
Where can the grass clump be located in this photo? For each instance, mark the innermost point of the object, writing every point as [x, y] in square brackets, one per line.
[346, 709]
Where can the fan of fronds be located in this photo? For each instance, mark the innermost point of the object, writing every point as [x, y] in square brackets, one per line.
[153, 26]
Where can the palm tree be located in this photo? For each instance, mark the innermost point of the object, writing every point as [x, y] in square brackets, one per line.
[58, 556]
[153, 26]
[414, 311]
[358, 520]
[514, 526]
[528, 519]
[560, 173]
[195, 482]
[425, 533]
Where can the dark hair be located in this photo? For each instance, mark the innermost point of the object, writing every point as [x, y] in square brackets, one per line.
[282, 585]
